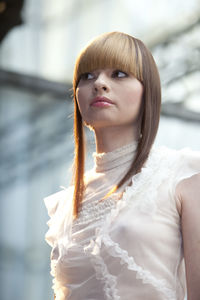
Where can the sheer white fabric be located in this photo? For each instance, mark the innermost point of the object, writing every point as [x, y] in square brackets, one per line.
[128, 246]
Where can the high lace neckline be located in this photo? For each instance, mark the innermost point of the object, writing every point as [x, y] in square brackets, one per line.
[109, 160]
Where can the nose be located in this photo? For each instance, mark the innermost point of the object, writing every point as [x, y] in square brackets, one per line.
[101, 83]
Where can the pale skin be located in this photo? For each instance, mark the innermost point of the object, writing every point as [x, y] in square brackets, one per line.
[114, 125]
[117, 125]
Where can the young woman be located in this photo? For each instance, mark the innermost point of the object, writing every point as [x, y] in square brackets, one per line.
[130, 227]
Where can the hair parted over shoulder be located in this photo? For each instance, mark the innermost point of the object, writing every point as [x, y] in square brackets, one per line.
[126, 53]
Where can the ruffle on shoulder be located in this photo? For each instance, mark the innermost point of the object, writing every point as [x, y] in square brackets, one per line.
[161, 162]
[190, 161]
[188, 164]
[156, 170]
[59, 208]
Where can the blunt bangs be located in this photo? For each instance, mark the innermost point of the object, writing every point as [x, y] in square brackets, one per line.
[110, 50]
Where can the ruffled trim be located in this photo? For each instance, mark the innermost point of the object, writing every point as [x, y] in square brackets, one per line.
[59, 207]
[109, 281]
[97, 210]
[145, 275]
[160, 162]
[157, 164]
[61, 289]
[188, 165]
[146, 180]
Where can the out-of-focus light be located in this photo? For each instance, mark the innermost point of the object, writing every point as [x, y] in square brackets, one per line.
[2, 7]
[193, 103]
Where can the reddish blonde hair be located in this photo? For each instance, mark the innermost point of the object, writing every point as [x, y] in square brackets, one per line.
[124, 52]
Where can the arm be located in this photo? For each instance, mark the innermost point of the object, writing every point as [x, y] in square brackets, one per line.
[188, 194]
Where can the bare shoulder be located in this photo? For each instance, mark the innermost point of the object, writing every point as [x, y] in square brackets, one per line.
[188, 193]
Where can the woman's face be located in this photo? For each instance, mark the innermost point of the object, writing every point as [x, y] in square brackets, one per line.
[109, 97]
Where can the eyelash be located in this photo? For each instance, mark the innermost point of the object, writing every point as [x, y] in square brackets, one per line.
[114, 75]
[119, 71]
[84, 76]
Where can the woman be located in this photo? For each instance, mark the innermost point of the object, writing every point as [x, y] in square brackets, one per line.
[124, 229]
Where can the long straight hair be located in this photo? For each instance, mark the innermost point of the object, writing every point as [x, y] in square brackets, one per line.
[126, 53]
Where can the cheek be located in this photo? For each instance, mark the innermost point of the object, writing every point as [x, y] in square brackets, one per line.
[80, 99]
[133, 102]
[134, 96]
[83, 104]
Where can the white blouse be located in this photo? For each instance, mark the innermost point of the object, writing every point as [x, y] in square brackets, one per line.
[128, 246]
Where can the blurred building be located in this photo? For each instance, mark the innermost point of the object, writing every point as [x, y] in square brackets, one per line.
[36, 109]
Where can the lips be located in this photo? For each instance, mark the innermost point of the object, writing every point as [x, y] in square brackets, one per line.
[100, 101]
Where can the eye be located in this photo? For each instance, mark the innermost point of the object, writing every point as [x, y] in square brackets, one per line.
[119, 74]
[87, 76]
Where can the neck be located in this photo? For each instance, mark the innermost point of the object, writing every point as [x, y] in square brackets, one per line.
[111, 138]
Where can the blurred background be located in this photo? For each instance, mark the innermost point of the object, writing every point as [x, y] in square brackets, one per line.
[39, 42]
